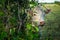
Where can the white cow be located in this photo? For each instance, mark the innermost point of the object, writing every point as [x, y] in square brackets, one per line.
[38, 15]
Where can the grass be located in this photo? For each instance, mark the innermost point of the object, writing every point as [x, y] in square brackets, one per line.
[53, 21]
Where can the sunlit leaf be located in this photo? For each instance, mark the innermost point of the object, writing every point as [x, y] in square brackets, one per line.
[29, 26]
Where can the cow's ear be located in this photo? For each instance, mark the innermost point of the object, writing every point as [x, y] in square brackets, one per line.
[28, 11]
[47, 11]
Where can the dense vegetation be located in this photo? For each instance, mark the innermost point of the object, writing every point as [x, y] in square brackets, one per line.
[16, 25]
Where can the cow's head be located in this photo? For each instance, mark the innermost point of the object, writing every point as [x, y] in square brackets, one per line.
[38, 15]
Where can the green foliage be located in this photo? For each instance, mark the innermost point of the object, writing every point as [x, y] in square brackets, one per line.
[33, 4]
[3, 35]
[1, 13]
[57, 2]
[29, 26]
